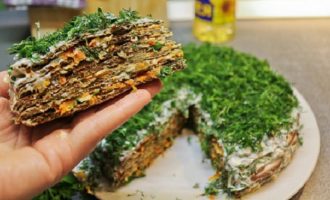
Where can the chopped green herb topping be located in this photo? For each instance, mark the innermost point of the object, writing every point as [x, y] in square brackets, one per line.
[212, 188]
[79, 25]
[189, 139]
[90, 53]
[158, 46]
[196, 186]
[165, 71]
[65, 189]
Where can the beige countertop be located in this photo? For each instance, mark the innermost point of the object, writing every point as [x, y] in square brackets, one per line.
[300, 50]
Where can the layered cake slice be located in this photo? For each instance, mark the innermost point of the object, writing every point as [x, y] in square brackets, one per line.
[94, 58]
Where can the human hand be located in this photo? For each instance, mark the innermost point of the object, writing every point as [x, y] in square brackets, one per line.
[33, 159]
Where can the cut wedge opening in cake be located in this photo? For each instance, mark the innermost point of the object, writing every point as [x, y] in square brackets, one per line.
[239, 173]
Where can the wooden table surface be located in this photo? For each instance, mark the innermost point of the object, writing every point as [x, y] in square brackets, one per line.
[300, 50]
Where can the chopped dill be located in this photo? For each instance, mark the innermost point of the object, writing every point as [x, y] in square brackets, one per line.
[196, 186]
[78, 26]
[90, 53]
[165, 71]
[189, 138]
[158, 46]
[68, 187]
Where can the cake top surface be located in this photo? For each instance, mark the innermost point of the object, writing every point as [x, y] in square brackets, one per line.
[32, 48]
[244, 98]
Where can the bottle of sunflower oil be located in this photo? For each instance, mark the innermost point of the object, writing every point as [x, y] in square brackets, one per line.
[214, 20]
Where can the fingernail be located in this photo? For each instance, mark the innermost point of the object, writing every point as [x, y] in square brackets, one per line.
[63, 134]
[6, 78]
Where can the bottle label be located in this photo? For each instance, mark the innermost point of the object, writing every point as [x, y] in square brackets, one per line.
[215, 11]
[204, 9]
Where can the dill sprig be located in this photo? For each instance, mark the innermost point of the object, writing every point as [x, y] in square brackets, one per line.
[79, 25]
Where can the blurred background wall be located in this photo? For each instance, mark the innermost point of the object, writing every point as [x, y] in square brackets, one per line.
[17, 18]
[247, 9]
[52, 18]
[53, 13]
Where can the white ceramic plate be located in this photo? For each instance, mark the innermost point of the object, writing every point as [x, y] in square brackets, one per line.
[182, 172]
